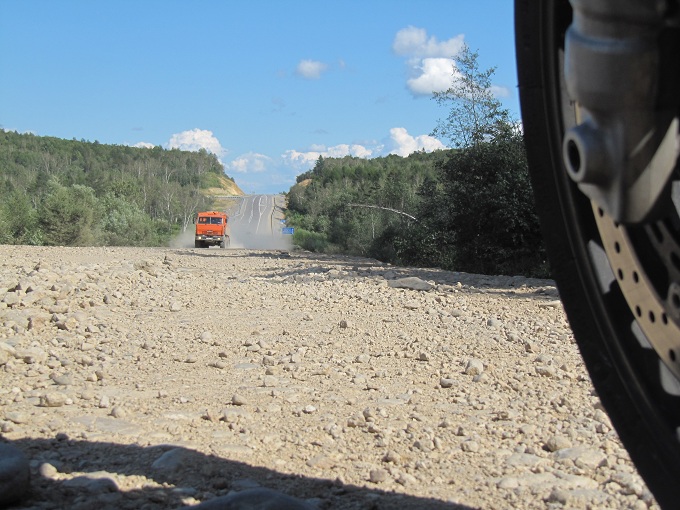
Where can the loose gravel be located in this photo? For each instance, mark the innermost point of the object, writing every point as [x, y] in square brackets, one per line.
[163, 378]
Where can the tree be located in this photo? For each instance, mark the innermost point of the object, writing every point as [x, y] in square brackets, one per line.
[491, 209]
[67, 215]
[475, 115]
[124, 224]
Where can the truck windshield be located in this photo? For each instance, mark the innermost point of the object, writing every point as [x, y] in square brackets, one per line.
[207, 220]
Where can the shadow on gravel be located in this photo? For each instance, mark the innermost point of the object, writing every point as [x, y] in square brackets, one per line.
[179, 473]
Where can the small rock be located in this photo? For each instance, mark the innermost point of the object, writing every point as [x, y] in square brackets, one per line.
[378, 475]
[392, 457]
[470, 446]
[62, 379]
[320, 461]
[446, 383]
[17, 417]
[47, 470]
[270, 381]
[118, 412]
[411, 283]
[509, 482]
[474, 367]
[53, 400]
[172, 461]
[238, 400]
[546, 370]
[493, 323]
[406, 479]
[530, 346]
[555, 443]
[97, 482]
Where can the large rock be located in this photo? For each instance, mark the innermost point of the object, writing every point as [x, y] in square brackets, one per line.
[14, 474]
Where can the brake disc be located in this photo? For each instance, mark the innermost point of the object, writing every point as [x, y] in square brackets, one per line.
[657, 316]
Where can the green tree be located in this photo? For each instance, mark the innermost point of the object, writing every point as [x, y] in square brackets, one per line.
[493, 225]
[124, 223]
[19, 220]
[67, 215]
[475, 115]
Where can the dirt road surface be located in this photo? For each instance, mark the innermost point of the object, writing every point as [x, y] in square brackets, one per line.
[162, 378]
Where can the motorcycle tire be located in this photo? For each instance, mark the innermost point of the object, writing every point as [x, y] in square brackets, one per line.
[637, 389]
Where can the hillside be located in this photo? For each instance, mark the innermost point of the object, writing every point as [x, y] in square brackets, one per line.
[226, 187]
[69, 192]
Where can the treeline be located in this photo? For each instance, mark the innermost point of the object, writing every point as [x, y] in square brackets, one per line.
[329, 204]
[468, 209]
[69, 192]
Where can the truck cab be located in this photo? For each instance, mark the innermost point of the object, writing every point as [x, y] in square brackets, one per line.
[212, 229]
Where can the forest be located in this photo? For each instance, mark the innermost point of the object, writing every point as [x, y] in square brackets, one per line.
[78, 193]
[468, 209]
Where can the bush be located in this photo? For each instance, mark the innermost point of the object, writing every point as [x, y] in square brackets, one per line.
[125, 224]
[67, 215]
[491, 209]
[312, 241]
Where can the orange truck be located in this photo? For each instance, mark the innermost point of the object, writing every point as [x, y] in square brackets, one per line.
[212, 229]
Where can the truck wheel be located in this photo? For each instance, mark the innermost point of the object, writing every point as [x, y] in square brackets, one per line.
[197, 244]
[223, 244]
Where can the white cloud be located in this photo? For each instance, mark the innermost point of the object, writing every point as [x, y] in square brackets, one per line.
[414, 42]
[403, 144]
[430, 62]
[310, 69]
[144, 145]
[196, 139]
[399, 142]
[499, 91]
[305, 160]
[434, 75]
[251, 162]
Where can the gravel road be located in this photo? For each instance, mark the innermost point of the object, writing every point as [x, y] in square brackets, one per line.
[162, 378]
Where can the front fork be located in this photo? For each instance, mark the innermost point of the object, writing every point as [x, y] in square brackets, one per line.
[620, 71]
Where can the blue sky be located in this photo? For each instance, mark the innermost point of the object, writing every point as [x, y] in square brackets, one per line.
[266, 85]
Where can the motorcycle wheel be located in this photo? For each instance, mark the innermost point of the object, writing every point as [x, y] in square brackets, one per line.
[630, 344]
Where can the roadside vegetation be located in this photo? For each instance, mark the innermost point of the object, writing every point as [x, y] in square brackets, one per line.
[79, 193]
[469, 208]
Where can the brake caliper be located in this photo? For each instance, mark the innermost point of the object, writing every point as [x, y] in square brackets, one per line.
[624, 148]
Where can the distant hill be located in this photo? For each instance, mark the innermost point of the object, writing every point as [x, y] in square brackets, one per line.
[70, 192]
